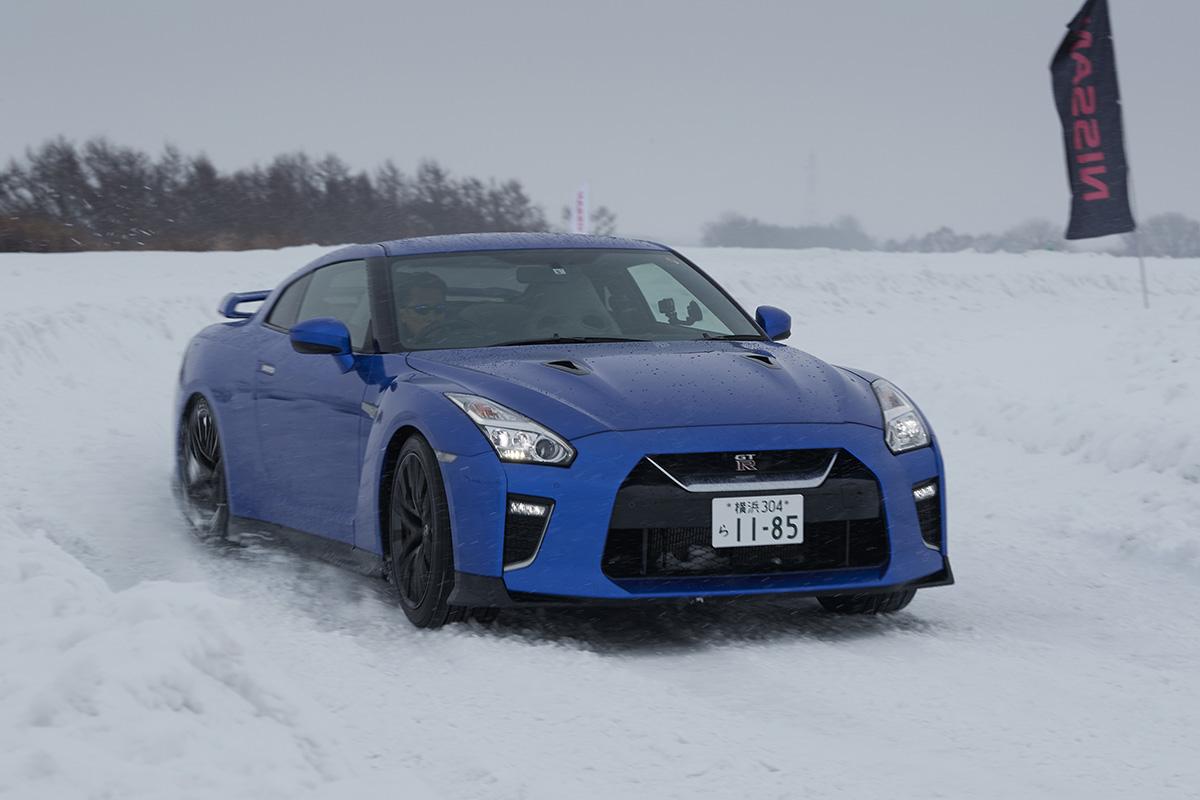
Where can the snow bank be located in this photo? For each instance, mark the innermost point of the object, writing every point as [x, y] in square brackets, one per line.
[154, 691]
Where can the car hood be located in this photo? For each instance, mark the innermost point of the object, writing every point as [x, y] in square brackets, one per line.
[627, 386]
[582, 389]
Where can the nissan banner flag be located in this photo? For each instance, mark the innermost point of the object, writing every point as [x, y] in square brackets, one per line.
[1084, 74]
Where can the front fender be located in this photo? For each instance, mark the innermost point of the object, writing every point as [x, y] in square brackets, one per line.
[415, 401]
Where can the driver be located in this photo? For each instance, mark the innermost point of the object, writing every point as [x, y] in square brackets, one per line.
[420, 304]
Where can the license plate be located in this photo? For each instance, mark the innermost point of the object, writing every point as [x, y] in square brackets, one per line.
[758, 521]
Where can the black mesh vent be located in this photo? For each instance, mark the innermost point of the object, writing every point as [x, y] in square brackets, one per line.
[523, 532]
[847, 466]
[681, 552]
[661, 530]
[929, 516]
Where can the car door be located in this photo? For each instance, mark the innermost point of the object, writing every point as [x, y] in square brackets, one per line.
[308, 412]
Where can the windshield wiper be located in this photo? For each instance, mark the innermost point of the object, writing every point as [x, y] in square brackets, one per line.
[733, 337]
[565, 340]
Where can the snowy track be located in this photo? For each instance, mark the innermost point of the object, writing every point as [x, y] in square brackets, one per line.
[137, 661]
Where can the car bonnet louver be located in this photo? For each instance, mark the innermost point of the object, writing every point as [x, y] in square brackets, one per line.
[569, 365]
[765, 359]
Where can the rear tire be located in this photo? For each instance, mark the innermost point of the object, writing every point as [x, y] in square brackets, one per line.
[887, 603]
[420, 552]
[200, 472]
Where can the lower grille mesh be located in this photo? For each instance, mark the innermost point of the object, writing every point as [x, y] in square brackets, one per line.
[676, 552]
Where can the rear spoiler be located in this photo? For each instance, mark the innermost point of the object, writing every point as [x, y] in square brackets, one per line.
[229, 305]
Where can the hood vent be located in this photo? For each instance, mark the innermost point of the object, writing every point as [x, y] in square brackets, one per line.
[567, 365]
[764, 359]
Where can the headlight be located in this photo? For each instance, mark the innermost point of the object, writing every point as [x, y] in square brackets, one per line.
[515, 437]
[903, 427]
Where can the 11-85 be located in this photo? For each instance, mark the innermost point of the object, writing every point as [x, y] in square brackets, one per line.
[782, 528]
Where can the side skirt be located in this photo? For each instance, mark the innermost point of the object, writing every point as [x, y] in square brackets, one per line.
[340, 554]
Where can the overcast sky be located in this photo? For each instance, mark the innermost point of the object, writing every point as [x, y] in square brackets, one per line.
[917, 113]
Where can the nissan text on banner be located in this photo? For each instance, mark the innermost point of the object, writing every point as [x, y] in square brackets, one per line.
[1084, 74]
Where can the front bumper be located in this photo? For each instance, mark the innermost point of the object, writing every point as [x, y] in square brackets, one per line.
[481, 591]
[568, 564]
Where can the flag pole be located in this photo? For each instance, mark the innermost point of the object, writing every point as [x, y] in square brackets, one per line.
[1137, 228]
[1137, 240]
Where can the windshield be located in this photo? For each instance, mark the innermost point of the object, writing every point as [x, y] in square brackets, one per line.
[515, 297]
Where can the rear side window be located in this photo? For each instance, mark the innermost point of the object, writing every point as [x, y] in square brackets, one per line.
[340, 291]
[286, 309]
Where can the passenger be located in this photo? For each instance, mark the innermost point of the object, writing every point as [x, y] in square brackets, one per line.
[420, 305]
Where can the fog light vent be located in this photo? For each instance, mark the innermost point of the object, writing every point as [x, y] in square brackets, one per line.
[929, 513]
[524, 526]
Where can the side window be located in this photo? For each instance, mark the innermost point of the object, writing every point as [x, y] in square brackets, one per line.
[283, 315]
[670, 301]
[340, 291]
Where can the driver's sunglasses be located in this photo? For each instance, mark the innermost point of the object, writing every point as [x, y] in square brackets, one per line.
[424, 309]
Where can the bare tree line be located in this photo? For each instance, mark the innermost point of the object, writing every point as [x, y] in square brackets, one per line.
[102, 196]
[1169, 235]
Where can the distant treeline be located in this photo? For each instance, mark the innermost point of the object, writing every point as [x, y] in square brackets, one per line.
[102, 196]
[1166, 235]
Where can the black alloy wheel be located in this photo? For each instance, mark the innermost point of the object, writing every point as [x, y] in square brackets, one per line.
[201, 477]
[420, 557]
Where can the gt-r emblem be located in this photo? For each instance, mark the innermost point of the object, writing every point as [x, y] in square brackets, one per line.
[745, 462]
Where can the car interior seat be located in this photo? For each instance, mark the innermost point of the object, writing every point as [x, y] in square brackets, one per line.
[569, 306]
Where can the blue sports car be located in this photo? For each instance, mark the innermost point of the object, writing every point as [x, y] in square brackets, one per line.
[492, 420]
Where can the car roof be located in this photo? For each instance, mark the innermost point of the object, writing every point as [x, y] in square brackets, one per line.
[475, 242]
[468, 242]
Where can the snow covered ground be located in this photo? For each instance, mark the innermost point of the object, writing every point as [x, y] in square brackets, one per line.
[137, 661]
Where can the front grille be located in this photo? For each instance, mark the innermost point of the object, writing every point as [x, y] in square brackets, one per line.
[697, 471]
[661, 530]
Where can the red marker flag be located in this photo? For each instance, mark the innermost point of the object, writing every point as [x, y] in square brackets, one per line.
[1084, 73]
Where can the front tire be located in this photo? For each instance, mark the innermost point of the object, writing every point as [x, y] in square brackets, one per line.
[202, 488]
[420, 553]
[886, 603]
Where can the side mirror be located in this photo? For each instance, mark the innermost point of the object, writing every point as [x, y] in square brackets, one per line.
[776, 322]
[323, 336]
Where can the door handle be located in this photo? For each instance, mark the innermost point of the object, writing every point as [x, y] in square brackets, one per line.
[266, 369]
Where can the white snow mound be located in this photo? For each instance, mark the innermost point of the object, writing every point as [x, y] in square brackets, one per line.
[153, 691]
